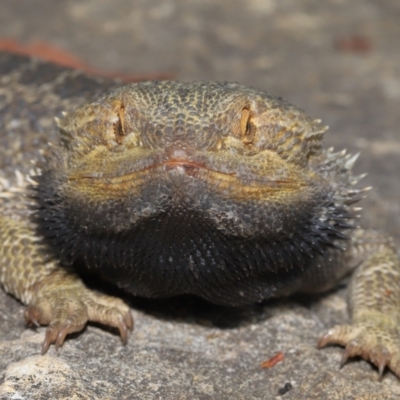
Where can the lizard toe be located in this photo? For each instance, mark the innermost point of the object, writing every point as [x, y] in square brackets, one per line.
[367, 341]
[57, 332]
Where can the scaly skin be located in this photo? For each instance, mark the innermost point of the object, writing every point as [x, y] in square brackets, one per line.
[165, 188]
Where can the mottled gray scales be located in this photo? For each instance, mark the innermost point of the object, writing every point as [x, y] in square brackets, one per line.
[168, 188]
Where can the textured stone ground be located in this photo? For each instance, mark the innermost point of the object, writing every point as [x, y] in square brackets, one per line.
[337, 59]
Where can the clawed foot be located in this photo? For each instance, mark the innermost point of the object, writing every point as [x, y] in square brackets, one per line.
[66, 307]
[376, 343]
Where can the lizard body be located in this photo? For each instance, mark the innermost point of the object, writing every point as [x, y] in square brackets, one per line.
[168, 188]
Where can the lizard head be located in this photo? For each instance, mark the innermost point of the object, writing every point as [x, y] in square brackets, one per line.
[212, 163]
[208, 147]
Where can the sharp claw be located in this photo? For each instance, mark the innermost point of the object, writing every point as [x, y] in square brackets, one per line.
[352, 349]
[61, 335]
[336, 335]
[123, 330]
[124, 326]
[47, 342]
[35, 322]
[381, 358]
[129, 320]
[324, 340]
[381, 368]
[345, 357]
[30, 316]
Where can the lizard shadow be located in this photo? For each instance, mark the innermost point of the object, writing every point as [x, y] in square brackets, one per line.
[194, 310]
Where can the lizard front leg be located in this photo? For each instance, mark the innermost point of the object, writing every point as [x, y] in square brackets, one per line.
[374, 305]
[55, 297]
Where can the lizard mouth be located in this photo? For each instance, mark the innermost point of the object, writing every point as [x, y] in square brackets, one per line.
[180, 160]
[190, 168]
[153, 169]
[187, 165]
[126, 177]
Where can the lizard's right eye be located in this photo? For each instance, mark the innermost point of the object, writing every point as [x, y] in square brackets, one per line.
[247, 128]
[119, 125]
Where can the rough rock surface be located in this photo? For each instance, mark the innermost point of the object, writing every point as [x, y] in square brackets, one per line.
[337, 59]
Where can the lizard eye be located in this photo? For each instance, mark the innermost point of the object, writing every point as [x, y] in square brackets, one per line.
[119, 125]
[247, 128]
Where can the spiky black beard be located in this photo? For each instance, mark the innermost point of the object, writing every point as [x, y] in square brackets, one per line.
[182, 252]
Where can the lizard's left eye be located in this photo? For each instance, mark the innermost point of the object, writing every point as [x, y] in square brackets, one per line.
[247, 128]
[119, 125]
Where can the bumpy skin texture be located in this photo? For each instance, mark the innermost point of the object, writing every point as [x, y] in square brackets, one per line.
[165, 188]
